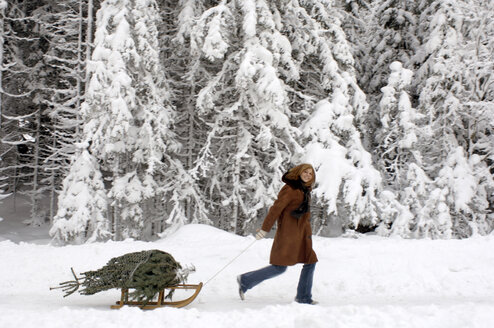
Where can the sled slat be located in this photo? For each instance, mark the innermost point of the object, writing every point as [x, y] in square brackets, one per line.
[160, 302]
[123, 299]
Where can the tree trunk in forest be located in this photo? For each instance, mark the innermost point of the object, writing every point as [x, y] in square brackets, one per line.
[36, 218]
[190, 144]
[89, 39]
[117, 226]
[78, 68]
[237, 213]
[2, 40]
[53, 186]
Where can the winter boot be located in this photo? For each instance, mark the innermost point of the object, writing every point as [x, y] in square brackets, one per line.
[240, 291]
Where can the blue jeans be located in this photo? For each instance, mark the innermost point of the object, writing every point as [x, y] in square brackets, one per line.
[304, 290]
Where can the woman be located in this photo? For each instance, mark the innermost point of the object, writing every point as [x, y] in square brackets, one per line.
[293, 240]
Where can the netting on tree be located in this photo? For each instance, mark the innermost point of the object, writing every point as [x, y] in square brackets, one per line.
[147, 272]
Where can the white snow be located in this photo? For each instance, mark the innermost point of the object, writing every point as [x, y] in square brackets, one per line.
[214, 20]
[360, 282]
[250, 18]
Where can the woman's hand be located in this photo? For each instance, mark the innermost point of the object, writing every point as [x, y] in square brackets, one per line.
[261, 234]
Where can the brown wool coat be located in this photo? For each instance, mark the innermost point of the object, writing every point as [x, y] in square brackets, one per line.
[293, 240]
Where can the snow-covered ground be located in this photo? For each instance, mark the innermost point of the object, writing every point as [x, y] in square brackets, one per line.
[360, 282]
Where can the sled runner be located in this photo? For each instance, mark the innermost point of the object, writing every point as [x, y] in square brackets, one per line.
[124, 300]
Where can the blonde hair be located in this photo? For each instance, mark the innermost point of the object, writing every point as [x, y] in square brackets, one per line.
[295, 172]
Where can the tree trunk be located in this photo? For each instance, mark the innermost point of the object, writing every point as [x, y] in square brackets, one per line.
[190, 144]
[78, 68]
[2, 40]
[89, 38]
[117, 226]
[53, 186]
[36, 220]
[238, 224]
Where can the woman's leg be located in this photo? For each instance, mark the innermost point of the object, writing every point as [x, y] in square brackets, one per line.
[253, 278]
[304, 289]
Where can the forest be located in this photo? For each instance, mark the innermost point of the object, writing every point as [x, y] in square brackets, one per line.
[130, 118]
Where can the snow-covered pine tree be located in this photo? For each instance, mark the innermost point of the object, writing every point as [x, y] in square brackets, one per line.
[399, 133]
[357, 20]
[126, 115]
[480, 107]
[251, 141]
[82, 209]
[390, 37]
[451, 78]
[386, 33]
[185, 76]
[399, 154]
[179, 191]
[348, 182]
[64, 25]
[8, 154]
[23, 138]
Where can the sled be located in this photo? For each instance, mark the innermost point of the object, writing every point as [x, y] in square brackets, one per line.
[124, 299]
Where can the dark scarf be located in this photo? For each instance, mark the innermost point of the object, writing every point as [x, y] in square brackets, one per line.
[298, 184]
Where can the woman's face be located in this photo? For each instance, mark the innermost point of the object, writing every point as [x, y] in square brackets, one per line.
[307, 175]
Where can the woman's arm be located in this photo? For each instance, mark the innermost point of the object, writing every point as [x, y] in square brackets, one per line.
[285, 196]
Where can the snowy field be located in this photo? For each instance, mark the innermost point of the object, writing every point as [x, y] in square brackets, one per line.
[360, 282]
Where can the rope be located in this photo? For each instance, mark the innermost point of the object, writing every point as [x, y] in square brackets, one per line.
[231, 261]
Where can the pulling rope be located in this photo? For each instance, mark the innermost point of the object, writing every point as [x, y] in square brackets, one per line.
[231, 261]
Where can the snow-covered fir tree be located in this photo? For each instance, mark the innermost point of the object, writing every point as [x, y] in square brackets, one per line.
[398, 150]
[186, 75]
[398, 135]
[63, 24]
[245, 103]
[23, 135]
[388, 34]
[348, 182]
[390, 37]
[83, 205]
[459, 139]
[356, 22]
[126, 115]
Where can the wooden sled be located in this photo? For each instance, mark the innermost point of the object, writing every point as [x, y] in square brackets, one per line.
[124, 300]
